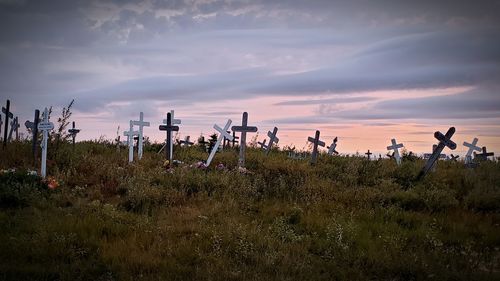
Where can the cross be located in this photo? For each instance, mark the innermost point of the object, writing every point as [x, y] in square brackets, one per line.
[186, 141]
[45, 126]
[244, 129]
[169, 127]
[472, 147]
[272, 139]
[453, 158]
[391, 156]
[173, 123]
[331, 148]
[483, 156]
[223, 134]
[226, 141]
[368, 154]
[141, 123]
[444, 140]
[33, 126]
[8, 114]
[262, 144]
[14, 126]
[130, 140]
[202, 142]
[396, 146]
[316, 142]
[72, 132]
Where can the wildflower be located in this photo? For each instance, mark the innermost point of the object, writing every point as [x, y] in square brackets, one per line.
[52, 183]
[220, 167]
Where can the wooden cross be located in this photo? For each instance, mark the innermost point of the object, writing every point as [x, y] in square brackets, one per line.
[222, 134]
[244, 129]
[14, 127]
[272, 139]
[483, 156]
[235, 139]
[396, 146]
[444, 140]
[173, 123]
[472, 147]
[203, 143]
[33, 126]
[141, 123]
[331, 148]
[130, 140]
[453, 158]
[169, 127]
[186, 141]
[45, 126]
[8, 114]
[316, 142]
[73, 132]
[263, 144]
[225, 141]
[368, 154]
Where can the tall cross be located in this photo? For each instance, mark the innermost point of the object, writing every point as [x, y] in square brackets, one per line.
[173, 123]
[368, 154]
[331, 148]
[130, 139]
[8, 114]
[472, 147]
[14, 127]
[316, 142]
[169, 127]
[396, 146]
[223, 134]
[272, 139]
[186, 141]
[45, 126]
[244, 129]
[483, 156]
[33, 126]
[72, 132]
[444, 140]
[141, 123]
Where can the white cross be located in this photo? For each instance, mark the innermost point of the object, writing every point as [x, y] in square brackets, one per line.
[45, 126]
[141, 123]
[396, 146]
[472, 147]
[223, 133]
[130, 139]
[331, 148]
[1, 122]
[174, 122]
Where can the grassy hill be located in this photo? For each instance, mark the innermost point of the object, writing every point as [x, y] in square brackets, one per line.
[344, 219]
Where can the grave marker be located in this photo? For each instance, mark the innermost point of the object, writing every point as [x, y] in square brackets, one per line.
[331, 148]
[33, 126]
[8, 114]
[173, 123]
[396, 146]
[141, 123]
[368, 154]
[45, 126]
[272, 139]
[483, 156]
[169, 127]
[453, 158]
[235, 139]
[316, 142]
[472, 147]
[186, 141]
[73, 132]
[14, 127]
[444, 141]
[222, 134]
[203, 143]
[244, 129]
[1, 123]
[263, 144]
[130, 140]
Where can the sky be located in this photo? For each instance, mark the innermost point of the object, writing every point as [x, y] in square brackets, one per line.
[365, 71]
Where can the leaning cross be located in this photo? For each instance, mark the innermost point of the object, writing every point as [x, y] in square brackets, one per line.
[33, 126]
[272, 139]
[368, 154]
[223, 134]
[186, 141]
[316, 142]
[14, 127]
[453, 158]
[244, 129]
[331, 148]
[8, 114]
[262, 144]
[45, 126]
[472, 147]
[483, 156]
[1, 123]
[141, 123]
[173, 123]
[130, 139]
[444, 140]
[73, 132]
[169, 127]
[396, 146]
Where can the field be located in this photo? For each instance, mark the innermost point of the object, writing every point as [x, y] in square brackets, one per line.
[344, 219]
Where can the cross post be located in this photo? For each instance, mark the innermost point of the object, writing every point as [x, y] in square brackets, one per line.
[223, 134]
[444, 141]
[331, 148]
[169, 127]
[471, 148]
[141, 123]
[173, 123]
[316, 142]
[244, 129]
[73, 133]
[272, 139]
[368, 154]
[396, 146]
[45, 126]
[8, 114]
[130, 139]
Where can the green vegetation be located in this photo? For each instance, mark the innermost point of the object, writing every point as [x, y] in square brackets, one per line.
[344, 219]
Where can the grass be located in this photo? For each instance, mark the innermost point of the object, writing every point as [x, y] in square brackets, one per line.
[344, 219]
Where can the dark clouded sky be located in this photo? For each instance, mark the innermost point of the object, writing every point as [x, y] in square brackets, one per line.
[365, 71]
